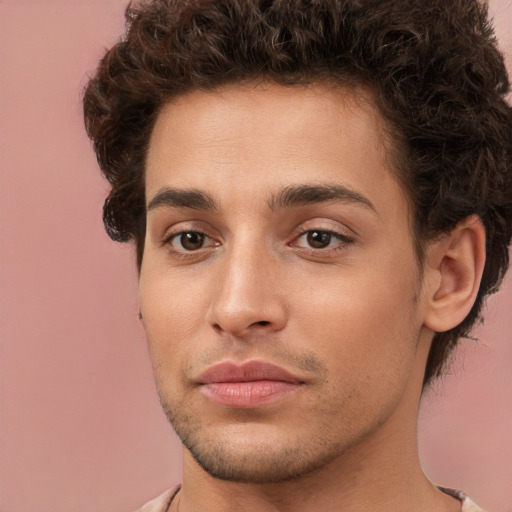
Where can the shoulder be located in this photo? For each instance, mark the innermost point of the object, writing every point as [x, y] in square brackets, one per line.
[467, 504]
[162, 502]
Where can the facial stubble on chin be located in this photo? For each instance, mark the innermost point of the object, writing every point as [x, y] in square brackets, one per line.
[262, 464]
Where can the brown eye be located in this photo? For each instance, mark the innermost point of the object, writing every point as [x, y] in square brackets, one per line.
[318, 239]
[190, 241]
[322, 241]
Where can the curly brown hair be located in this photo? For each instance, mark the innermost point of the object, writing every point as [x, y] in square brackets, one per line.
[434, 68]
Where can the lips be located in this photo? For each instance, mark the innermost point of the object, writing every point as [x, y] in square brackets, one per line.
[251, 384]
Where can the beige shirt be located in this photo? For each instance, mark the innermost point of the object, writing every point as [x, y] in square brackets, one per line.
[163, 502]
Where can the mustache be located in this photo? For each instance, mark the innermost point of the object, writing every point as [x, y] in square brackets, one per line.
[271, 352]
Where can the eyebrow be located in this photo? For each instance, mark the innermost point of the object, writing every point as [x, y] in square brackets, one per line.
[182, 198]
[297, 195]
[294, 195]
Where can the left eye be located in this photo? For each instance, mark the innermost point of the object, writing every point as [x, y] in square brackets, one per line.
[318, 239]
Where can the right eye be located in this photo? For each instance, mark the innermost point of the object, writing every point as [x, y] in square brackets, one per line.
[189, 241]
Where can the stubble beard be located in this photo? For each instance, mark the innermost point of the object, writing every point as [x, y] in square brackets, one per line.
[331, 427]
[245, 461]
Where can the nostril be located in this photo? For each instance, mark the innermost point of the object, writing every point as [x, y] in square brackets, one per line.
[262, 322]
[217, 327]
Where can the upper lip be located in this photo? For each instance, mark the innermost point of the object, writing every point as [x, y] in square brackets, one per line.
[250, 371]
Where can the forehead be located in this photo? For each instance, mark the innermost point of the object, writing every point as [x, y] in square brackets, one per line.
[241, 139]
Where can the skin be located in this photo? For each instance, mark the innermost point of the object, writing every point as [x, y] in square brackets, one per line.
[353, 320]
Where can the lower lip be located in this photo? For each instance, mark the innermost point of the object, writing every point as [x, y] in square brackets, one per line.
[248, 394]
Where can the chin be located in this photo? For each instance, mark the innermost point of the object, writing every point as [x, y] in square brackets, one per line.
[254, 453]
[258, 464]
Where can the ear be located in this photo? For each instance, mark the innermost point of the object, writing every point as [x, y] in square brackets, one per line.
[453, 271]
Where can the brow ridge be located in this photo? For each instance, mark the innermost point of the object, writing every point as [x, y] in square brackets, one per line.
[297, 195]
[182, 198]
[293, 195]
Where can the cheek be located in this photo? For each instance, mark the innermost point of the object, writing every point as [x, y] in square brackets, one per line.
[363, 323]
[368, 349]
[173, 311]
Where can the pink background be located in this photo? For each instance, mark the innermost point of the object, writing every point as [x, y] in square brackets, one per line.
[80, 425]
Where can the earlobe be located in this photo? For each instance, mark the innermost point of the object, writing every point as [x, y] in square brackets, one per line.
[454, 265]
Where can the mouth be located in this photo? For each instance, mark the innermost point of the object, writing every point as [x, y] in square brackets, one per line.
[248, 385]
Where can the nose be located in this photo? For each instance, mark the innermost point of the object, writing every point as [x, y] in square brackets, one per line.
[247, 298]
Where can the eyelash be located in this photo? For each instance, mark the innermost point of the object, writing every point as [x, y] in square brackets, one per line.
[343, 242]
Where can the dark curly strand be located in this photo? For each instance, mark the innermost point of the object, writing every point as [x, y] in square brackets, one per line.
[433, 66]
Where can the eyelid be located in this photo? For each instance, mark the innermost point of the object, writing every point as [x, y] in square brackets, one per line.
[326, 225]
[189, 226]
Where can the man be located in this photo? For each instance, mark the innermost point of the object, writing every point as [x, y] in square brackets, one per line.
[320, 193]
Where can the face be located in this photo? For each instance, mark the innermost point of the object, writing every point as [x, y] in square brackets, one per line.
[279, 286]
